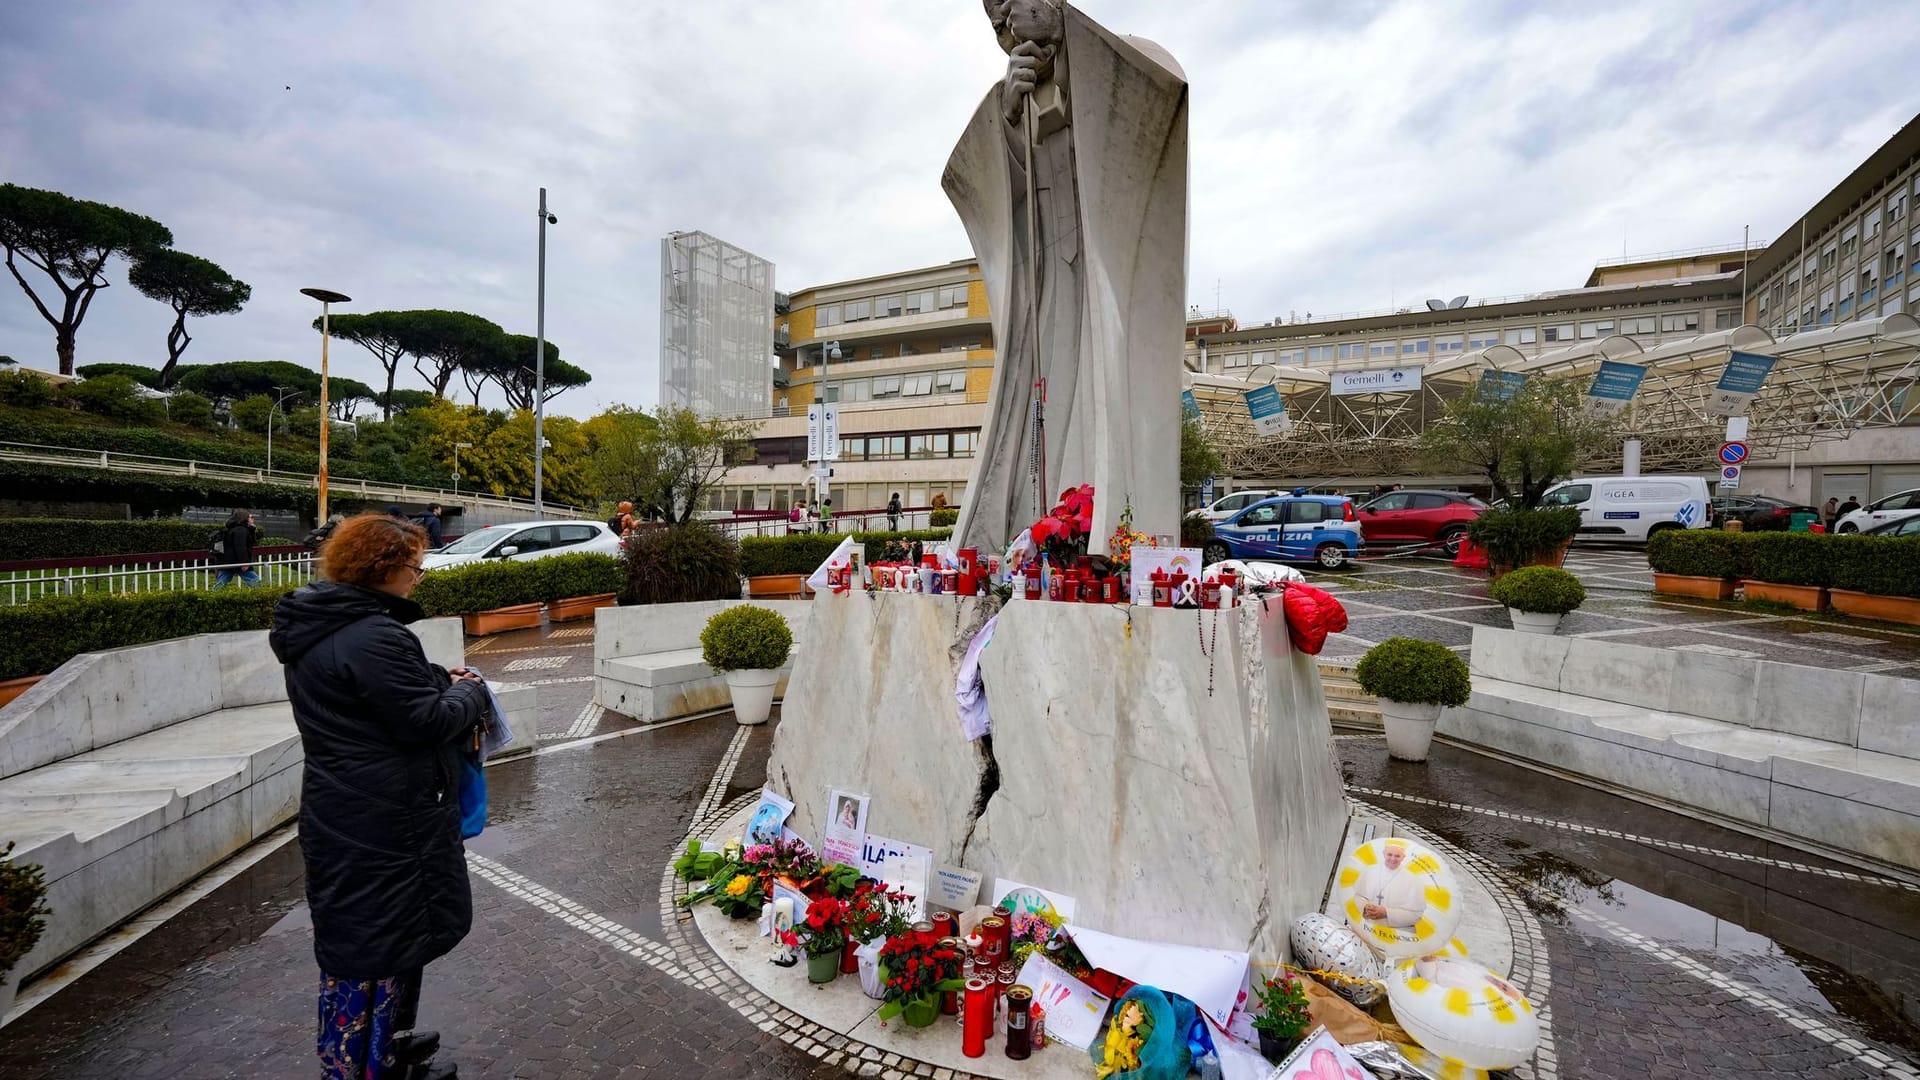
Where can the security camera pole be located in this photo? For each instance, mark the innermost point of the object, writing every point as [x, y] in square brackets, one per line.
[327, 298]
[540, 368]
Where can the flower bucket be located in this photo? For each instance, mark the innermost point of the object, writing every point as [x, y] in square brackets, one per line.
[921, 1012]
[823, 968]
[868, 956]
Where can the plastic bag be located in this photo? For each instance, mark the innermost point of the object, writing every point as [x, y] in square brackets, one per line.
[1162, 1053]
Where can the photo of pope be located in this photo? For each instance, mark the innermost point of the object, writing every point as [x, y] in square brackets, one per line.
[1390, 893]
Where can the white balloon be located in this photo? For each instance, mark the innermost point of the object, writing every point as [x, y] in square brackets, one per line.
[1461, 1010]
[1412, 883]
[1322, 944]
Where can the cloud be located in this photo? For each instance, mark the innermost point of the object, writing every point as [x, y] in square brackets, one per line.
[1344, 156]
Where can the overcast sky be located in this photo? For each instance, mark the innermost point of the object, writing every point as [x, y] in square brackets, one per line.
[1345, 155]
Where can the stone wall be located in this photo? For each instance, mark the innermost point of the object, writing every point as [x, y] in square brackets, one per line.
[1176, 796]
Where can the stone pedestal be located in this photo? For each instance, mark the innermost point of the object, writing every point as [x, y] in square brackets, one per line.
[1173, 771]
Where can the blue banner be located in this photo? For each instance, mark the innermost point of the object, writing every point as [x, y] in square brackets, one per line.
[1746, 373]
[1616, 381]
[1189, 405]
[1501, 385]
[1268, 410]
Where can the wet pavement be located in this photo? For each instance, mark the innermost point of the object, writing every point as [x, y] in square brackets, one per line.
[1676, 948]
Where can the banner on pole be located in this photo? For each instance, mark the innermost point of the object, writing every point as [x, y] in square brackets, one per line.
[1268, 410]
[1746, 373]
[1189, 405]
[1501, 385]
[1614, 385]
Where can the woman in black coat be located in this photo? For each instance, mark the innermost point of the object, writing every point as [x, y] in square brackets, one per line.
[379, 800]
[238, 537]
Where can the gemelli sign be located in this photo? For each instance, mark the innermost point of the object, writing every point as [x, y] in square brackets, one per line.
[1375, 381]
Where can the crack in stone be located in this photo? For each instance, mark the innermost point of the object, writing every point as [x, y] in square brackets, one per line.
[989, 784]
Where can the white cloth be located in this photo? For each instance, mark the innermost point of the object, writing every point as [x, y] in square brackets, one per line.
[968, 689]
[842, 554]
[1396, 890]
[1259, 574]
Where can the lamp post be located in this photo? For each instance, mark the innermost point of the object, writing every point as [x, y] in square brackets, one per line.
[457, 447]
[285, 393]
[327, 298]
[540, 367]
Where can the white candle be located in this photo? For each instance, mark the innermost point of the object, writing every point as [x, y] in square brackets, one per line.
[783, 913]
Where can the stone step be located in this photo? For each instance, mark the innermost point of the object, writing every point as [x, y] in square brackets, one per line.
[1333, 669]
[1354, 715]
[1345, 691]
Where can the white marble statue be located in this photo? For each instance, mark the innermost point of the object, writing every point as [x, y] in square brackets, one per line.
[1089, 292]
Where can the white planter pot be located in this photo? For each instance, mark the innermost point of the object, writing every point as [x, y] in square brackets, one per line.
[1409, 728]
[869, 957]
[1532, 622]
[752, 692]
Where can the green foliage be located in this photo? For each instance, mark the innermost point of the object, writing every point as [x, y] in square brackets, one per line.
[1700, 553]
[516, 376]
[149, 494]
[480, 586]
[802, 553]
[1414, 672]
[255, 413]
[23, 909]
[678, 563]
[1283, 1008]
[697, 864]
[39, 636]
[405, 400]
[245, 378]
[1521, 444]
[1792, 558]
[1198, 458]
[746, 638]
[25, 389]
[145, 376]
[671, 462]
[839, 879]
[1517, 537]
[1885, 565]
[189, 408]
[69, 240]
[63, 538]
[944, 518]
[1195, 531]
[188, 284]
[1542, 590]
[115, 397]
[585, 573]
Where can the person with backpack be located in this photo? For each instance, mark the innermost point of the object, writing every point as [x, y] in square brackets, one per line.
[797, 518]
[621, 523]
[430, 521]
[893, 513]
[232, 545]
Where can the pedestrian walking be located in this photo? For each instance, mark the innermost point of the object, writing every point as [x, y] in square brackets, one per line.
[430, 521]
[1830, 512]
[797, 518]
[1845, 508]
[382, 730]
[233, 548]
[893, 513]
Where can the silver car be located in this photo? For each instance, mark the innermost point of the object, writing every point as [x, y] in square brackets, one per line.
[527, 540]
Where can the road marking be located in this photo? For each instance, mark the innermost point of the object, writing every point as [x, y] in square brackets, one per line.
[722, 776]
[538, 663]
[584, 724]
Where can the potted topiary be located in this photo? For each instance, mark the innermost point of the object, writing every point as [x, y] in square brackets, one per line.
[1702, 563]
[1413, 679]
[748, 645]
[23, 915]
[1516, 538]
[1536, 597]
[1283, 1017]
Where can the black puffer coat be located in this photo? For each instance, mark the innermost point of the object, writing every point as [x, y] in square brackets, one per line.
[379, 806]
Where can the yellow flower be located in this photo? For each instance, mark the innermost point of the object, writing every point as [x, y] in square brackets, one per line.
[739, 885]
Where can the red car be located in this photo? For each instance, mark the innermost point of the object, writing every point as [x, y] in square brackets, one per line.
[1406, 518]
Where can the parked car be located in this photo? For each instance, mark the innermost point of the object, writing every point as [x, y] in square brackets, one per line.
[1760, 512]
[1634, 507]
[1906, 526]
[1896, 507]
[1226, 506]
[1420, 517]
[527, 540]
[1295, 528]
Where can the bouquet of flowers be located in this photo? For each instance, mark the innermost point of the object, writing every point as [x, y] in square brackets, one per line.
[734, 889]
[1283, 1017]
[824, 931]
[1124, 539]
[791, 859]
[1030, 932]
[874, 913]
[916, 969]
[1062, 534]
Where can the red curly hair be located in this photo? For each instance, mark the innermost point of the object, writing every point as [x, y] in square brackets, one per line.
[367, 549]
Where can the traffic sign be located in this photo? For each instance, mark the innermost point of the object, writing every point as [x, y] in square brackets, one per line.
[1733, 453]
[1729, 477]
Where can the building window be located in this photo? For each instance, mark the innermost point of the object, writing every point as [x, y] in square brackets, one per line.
[1811, 266]
[1599, 328]
[853, 447]
[907, 349]
[828, 315]
[1522, 335]
[959, 344]
[916, 385]
[886, 386]
[858, 310]
[1897, 206]
[1727, 319]
[1237, 360]
[886, 307]
[1806, 317]
[1680, 324]
[965, 443]
[1294, 357]
[1482, 339]
[1319, 354]
[878, 352]
[1871, 224]
[952, 296]
[1563, 332]
[886, 448]
[951, 381]
[1450, 343]
[1869, 283]
[1263, 356]
[1849, 243]
[1642, 325]
[1828, 258]
[1383, 348]
[920, 447]
[1353, 350]
[1826, 306]
[1415, 346]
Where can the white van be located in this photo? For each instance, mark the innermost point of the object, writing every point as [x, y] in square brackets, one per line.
[1634, 507]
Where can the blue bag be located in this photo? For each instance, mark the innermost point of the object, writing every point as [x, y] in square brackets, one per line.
[473, 795]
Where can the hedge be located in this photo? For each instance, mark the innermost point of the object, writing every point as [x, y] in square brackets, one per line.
[944, 518]
[584, 573]
[62, 538]
[1701, 553]
[481, 586]
[1884, 565]
[37, 637]
[248, 451]
[1791, 558]
[802, 553]
[675, 564]
[149, 493]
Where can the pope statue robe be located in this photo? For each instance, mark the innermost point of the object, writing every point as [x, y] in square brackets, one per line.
[1105, 327]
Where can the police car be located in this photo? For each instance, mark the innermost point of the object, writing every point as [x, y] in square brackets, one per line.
[1293, 528]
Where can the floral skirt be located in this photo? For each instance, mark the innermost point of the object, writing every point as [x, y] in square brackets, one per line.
[358, 1020]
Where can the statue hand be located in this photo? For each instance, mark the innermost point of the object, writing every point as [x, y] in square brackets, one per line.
[1023, 73]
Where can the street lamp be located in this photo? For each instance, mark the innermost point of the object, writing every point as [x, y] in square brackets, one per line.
[285, 393]
[457, 447]
[540, 366]
[327, 298]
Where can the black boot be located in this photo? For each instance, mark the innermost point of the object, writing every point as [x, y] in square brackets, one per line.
[412, 1048]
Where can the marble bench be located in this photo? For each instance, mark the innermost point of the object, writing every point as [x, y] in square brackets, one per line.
[1828, 756]
[127, 774]
[647, 662]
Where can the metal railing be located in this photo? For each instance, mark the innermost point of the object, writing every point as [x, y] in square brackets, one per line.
[21, 582]
[214, 470]
[775, 523]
